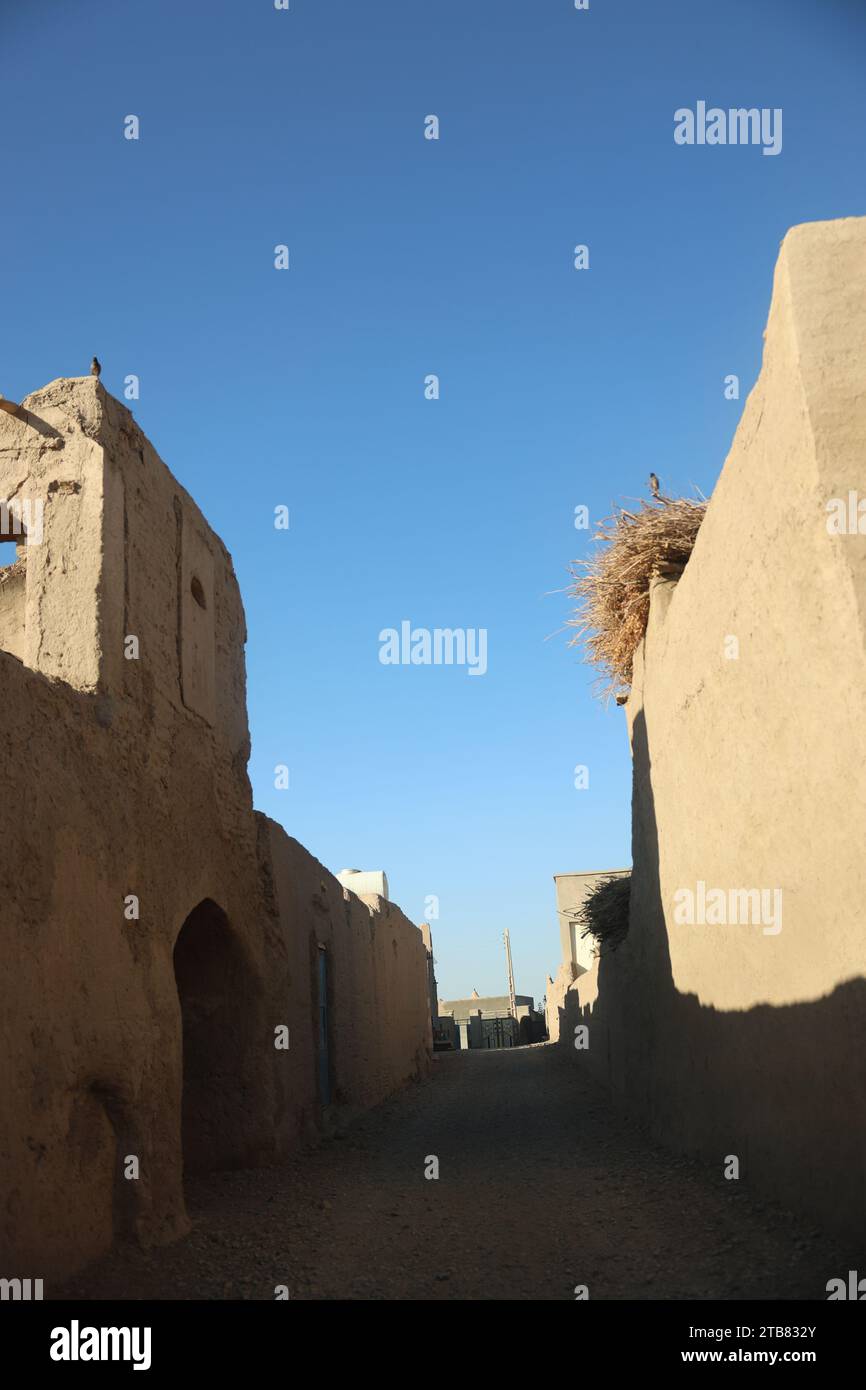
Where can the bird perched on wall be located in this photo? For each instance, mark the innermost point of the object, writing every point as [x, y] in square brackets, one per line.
[95, 367]
[654, 484]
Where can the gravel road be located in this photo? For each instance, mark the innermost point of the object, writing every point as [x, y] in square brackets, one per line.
[541, 1187]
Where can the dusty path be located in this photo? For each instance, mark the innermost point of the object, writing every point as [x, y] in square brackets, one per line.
[541, 1188]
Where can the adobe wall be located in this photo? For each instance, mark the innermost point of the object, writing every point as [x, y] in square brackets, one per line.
[12, 601]
[377, 974]
[90, 1059]
[556, 996]
[733, 1039]
[128, 777]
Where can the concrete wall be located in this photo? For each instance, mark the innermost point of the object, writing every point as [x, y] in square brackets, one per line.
[748, 755]
[148, 1028]
[490, 1006]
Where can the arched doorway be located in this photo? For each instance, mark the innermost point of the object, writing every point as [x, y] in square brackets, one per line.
[219, 1005]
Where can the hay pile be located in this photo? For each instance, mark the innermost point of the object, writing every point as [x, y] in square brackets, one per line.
[611, 589]
[604, 914]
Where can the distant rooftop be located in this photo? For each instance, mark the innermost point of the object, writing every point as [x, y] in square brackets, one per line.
[592, 873]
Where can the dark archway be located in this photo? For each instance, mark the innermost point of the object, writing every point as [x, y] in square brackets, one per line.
[219, 1002]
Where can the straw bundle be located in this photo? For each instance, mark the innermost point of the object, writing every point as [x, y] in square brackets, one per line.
[604, 913]
[611, 588]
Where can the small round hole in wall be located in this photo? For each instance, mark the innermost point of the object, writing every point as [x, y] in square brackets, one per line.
[198, 592]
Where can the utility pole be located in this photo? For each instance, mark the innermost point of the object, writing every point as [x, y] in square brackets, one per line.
[512, 999]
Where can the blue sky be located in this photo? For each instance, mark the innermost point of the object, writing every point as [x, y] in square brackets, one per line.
[408, 257]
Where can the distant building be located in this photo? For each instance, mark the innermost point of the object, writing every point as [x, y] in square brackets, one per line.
[572, 891]
[488, 1022]
[445, 1038]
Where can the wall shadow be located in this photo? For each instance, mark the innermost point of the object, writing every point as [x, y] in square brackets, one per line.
[223, 1043]
[783, 1087]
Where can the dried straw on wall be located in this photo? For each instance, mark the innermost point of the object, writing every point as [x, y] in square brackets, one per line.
[604, 913]
[611, 589]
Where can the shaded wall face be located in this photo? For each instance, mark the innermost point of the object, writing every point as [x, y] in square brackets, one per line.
[156, 1036]
[91, 1061]
[223, 1039]
[738, 1028]
[752, 686]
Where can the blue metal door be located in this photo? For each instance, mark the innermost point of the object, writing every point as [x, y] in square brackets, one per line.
[324, 1058]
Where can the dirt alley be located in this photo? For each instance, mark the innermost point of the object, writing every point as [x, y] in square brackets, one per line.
[542, 1187]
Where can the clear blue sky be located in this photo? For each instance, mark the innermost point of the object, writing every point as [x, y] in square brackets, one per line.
[411, 257]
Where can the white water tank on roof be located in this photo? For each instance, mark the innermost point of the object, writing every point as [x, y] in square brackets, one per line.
[365, 882]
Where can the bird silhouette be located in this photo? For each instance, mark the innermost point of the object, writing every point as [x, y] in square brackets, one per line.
[654, 484]
[95, 367]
